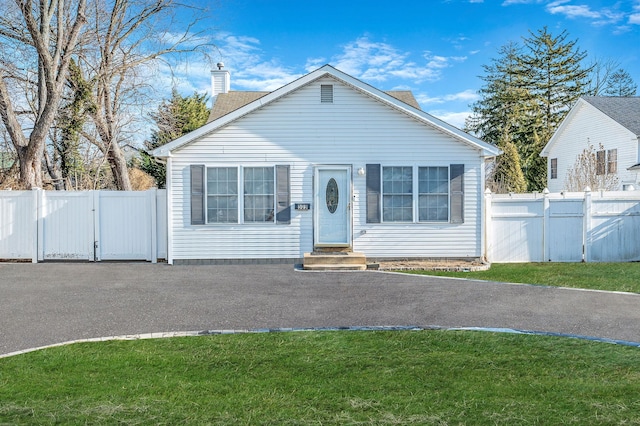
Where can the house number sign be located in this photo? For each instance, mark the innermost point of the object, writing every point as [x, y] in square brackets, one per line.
[332, 195]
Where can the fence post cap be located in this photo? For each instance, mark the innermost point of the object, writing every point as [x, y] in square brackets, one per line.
[587, 189]
[487, 191]
[545, 191]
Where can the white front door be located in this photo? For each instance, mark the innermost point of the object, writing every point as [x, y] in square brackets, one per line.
[332, 206]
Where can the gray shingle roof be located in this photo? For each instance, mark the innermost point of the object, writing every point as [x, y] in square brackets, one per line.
[232, 100]
[624, 110]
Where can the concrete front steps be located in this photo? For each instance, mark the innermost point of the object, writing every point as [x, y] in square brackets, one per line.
[334, 261]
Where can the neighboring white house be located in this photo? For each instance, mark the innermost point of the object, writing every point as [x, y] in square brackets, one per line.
[612, 126]
[325, 161]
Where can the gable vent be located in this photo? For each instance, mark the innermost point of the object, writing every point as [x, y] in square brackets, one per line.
[326, 93]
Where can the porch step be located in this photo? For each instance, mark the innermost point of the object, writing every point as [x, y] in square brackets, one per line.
[335, 261]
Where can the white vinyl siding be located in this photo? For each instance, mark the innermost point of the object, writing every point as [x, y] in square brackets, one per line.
[297, 130]
[590, 127]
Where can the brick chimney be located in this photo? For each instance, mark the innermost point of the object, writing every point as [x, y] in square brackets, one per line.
[220, 81]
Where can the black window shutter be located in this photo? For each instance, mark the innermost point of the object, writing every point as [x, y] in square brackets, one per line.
[283, 195]
[197, 194]
[373, 193]
[456, 184]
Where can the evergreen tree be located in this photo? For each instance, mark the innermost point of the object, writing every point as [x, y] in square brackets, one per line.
[555, 75]
[620, 83]
[507, 174]
[174, 118]
[501, 95]
[505, 115]
[555, 79]
[528, 90]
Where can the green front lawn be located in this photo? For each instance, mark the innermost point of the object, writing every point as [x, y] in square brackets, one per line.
[597, 276]
[320, 378]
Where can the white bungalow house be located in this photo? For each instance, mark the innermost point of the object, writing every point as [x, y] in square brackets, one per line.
[325, 162]
[611, 125]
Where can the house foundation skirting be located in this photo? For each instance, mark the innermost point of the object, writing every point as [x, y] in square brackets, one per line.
[270, 261]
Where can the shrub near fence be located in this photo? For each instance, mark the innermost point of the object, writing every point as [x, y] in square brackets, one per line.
[83, 225]
[563, 227]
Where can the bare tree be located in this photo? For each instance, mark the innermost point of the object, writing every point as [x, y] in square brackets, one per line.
[115, 45]
[591, 170]
[49, 32]
[601, 71]
[126, 40]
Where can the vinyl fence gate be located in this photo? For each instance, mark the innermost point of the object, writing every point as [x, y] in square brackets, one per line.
[84, 225]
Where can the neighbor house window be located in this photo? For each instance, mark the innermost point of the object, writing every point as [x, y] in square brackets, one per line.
[601, 164]
[222, 195]
[259, 197]
[554, 168]
[433, 194]
[397, 194]
[612, 161]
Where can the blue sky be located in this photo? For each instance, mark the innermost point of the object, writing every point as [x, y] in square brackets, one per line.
[436, 48]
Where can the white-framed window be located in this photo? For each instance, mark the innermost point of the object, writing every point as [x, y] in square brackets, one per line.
[259, 198]
[222, 195]
[257, 204]
[214, 194]
[612, 161]
[405, 187]
[553, 169]
[397, 194]
[433, 194]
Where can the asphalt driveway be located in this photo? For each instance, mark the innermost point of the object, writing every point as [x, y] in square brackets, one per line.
[48, 303]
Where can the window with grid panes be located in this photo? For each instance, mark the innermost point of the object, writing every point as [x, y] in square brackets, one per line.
[433, 194]
[397, 194]
[222, 195]
[259, 191]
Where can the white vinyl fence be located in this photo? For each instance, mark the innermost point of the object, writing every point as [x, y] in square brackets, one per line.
[86, 225]
[127, 225]
[565, 227]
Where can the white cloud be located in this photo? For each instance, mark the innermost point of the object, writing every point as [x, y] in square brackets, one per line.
[468, 96]
[598, 17]
[456, 119]
[634, 18]
[314, 63]
[378, 62]
[510, 2]
[572, 11]
[243, 56]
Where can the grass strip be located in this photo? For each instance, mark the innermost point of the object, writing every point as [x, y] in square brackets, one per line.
[320, 378]
[595, 276]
